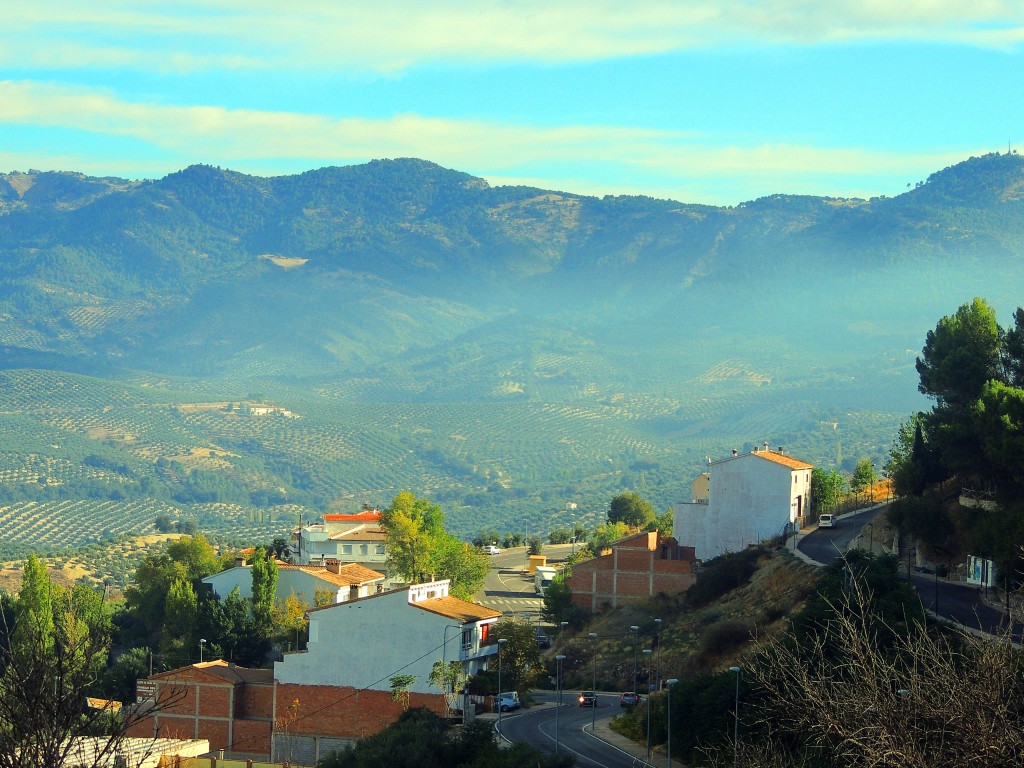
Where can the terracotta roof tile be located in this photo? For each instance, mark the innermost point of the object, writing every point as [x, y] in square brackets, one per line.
[783, 459]
[351, 573]
[369, 516]
[360, 534]
[454, 608]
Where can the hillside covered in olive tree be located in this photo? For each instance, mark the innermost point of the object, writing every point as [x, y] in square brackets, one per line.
[507, 351]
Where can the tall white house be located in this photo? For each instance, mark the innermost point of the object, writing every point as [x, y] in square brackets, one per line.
[742, 500]
[363, 643]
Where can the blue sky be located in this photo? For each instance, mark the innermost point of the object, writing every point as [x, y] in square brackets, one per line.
[705, 102]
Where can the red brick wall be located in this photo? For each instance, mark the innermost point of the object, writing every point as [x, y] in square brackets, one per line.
[254, 700]
[321, 711]
[325, 710]
[632, 571]
[252, 736]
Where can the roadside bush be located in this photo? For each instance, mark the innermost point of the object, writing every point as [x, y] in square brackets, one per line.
[722, 575]
[724, 637]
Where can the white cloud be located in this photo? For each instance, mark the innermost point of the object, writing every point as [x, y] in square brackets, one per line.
[680, 165]
[391, 35]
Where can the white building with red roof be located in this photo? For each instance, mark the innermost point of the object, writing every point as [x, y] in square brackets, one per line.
[357, 538]
[336, 691]
[364, 643]
[742, 500]
[342, 581]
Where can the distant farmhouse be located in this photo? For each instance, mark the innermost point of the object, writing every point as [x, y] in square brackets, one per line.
[743, 500]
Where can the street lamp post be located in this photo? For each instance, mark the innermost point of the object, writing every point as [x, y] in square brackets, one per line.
[871, 538]
[593, 710]
[558, 686]
[647, 652]
[657, 658]
[736, 723]
[202, 644]
[501, 642]
[635, 629]
[669, 683]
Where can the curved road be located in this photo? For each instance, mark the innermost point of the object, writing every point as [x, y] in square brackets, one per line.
[537, 727]
[949, 600]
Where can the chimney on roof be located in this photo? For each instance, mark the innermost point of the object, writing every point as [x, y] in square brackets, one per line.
[734, 452]
[778, 449]
[766, 445]
[334, 566]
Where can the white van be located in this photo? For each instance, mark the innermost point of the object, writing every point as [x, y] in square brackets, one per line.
[827, 521]
[506, 702]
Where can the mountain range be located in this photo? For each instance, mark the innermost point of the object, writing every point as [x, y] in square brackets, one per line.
[679, 328]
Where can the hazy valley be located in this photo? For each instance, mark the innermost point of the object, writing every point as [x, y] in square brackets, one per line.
[505, 351]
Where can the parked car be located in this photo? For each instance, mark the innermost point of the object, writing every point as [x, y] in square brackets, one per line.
[588, 699]
[543, 641]
[506, 702]
[629, 699]
[490, 549]
[827, 521]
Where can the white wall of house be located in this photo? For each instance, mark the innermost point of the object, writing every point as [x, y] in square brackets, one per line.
[751, 498]
[363, 643]
[289, 580]
[315, 546]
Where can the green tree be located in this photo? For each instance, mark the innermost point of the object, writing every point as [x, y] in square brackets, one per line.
[662, 523]
[464, 565]
[179, 633]
[999, 418]
[521, 663]
[864, 475]
[631, 510]
[34, 621]
[47, 671]
[264, 590]
[1013, 351]
[558, 605]
[420, 549]
[826, 488]
[411, 525]
[960, 355]
[605, 535]
[196, 554]
[400, 685]
[449, 677]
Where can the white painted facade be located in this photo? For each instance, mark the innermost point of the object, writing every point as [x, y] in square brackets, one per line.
[304, 583]
[355, 538]
[751, 497]
[363, 643]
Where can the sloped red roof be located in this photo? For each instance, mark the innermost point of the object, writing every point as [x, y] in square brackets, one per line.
[783, 459]
[368, 516]
[454, 608]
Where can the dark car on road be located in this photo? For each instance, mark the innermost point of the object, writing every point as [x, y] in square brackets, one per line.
[588, 699]
[629, 699]
[543, 641]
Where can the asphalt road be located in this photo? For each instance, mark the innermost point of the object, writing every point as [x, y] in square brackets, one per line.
[507, 586]
[538, 727]
[951, 600]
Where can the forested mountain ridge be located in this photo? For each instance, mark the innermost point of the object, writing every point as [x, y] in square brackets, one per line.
[118, 262]
[502, 350]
